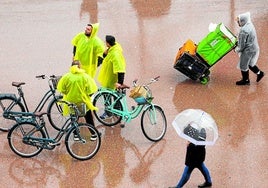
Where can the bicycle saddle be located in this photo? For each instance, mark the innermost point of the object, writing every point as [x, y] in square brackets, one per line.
[17, 84]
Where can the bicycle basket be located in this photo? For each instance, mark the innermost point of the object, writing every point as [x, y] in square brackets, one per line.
[139, 94]
[82, 109]
[55, 81]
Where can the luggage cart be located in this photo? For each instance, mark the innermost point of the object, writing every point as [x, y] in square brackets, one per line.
[194, 61]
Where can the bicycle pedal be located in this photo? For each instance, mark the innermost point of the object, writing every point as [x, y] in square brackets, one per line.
[54, 144]
[122, 125]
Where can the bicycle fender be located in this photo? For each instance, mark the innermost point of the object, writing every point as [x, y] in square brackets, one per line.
[8, 95]
[152, 106]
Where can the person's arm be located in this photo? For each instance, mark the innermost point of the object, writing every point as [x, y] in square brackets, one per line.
[100, 59]
[74, 50]
[121, 77]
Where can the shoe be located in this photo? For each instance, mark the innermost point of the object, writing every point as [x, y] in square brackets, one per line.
[104, 116]
[260, 76]
[76, 137]
[206, 184]
[94, 137]
[243, 82]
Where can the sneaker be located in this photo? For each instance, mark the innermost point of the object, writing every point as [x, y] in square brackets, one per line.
[94, 137]
[260, 76]
[104, 115]
[206, 184]
[76, 137]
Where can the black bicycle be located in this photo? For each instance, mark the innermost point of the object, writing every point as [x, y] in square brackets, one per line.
[10, 102]
[29, 136]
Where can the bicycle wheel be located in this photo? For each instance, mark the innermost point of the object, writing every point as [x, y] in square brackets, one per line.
[18, 142]
[8, 102]
[153, 123]
[104, 116]
[54, 113]
[84, 147]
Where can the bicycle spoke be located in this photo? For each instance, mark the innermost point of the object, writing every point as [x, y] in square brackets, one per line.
[153, 123]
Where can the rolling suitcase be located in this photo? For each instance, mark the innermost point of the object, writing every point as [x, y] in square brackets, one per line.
[192, 66]
[216, 44]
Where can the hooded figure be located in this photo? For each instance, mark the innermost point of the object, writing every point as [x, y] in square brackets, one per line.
[77, 86]
[248, 49]
[114, 66]
[88, 49]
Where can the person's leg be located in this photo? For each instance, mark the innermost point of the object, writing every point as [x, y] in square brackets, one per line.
[89, 118]
[185, 176]
[205, 172]
[257, 71]
[245, 78]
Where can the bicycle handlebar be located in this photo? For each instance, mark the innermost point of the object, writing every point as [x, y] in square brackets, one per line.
[43, 76]
[152, 80]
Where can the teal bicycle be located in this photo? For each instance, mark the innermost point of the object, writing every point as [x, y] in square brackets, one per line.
[113, 108]
[29, 136]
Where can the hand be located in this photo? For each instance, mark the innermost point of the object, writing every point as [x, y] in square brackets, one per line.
[117, 85]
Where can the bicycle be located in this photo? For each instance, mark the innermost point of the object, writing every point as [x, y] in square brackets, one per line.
[29, 136]
[10, 102]
[113, 108]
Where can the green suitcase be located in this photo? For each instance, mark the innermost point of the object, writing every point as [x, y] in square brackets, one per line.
[216, 44]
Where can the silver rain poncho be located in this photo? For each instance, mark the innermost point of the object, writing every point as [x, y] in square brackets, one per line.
[247, 47]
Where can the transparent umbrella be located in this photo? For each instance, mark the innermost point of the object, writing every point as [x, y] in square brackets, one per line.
[196, 126]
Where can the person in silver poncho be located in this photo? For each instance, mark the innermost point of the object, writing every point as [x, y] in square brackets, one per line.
[247, 49]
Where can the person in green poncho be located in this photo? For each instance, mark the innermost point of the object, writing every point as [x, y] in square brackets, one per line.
[76, 87]
[112, 71]
[113, 68]
[88, 49]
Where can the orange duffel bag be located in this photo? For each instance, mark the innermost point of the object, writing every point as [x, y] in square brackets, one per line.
[189, 46]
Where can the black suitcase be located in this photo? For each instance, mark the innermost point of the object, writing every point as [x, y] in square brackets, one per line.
[192, 66]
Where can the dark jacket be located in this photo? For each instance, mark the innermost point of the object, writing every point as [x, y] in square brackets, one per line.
[195, 155]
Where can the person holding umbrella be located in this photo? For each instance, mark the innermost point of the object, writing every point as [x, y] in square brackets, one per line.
[195, 157]
[199, 129]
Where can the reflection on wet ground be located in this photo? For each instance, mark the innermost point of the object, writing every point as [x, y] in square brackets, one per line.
[35, 38]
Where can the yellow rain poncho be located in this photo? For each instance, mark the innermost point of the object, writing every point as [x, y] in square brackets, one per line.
[76, 86]
[112, 64]
[88, 49]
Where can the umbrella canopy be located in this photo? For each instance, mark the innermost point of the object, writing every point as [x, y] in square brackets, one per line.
[196, 126]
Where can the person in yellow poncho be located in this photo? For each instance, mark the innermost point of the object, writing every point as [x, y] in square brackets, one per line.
[76, 87]
[88, 49]
[112, 71]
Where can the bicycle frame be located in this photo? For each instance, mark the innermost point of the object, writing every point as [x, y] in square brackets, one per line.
[21, 99]
[126, 114]
[48, 142]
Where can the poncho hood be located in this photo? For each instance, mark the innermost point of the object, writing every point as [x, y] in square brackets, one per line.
[76, 70]
[95, 29]
[244, 18]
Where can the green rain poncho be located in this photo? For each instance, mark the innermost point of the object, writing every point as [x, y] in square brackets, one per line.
[76, 86]
[112, 64]
[88, 49]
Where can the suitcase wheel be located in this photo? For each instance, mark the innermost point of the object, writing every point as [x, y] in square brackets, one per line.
[204, 80]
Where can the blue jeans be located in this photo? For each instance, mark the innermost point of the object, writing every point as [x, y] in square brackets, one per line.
[187, 173]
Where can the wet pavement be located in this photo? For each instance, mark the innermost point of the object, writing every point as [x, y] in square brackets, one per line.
[35, 39]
